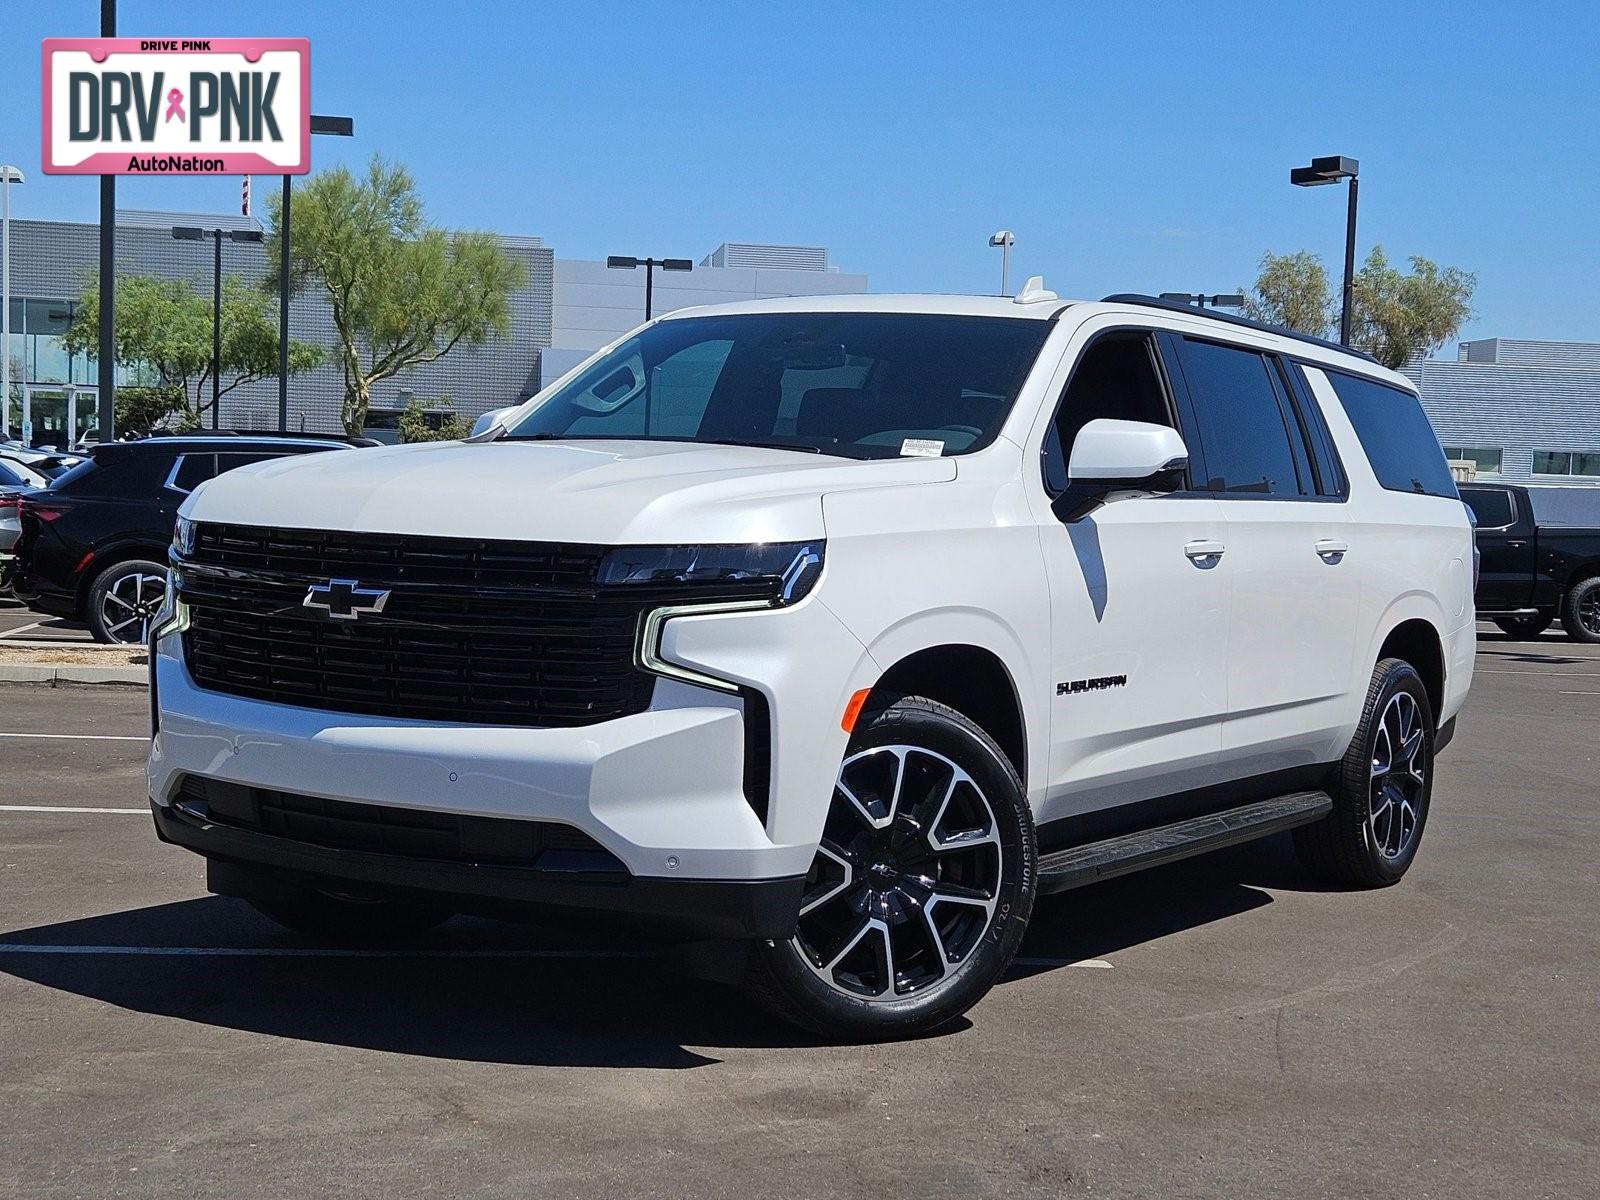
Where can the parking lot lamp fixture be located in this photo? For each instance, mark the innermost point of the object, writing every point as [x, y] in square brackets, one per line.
[8, 176]
[628, 262]
[1004, 239]
[191, 233]
[1331, 169]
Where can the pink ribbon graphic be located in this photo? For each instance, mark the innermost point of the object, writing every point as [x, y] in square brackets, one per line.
[175, 106]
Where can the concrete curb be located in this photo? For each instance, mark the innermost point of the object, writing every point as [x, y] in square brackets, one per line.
[55, 676]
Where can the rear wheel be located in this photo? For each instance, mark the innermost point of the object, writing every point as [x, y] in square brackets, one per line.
[338, 917]
[1530, 626]
[124, 599]
[1580, 611]
[1383, 788]
[921, 887]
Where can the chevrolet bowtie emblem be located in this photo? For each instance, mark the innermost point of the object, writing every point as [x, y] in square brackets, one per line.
[345, 599]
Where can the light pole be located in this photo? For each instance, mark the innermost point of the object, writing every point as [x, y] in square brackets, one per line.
[192, 233]
[1004, 239]
[8, 176]
[1331, 169]
[1200, 299]
[334, 127]
[627, 262]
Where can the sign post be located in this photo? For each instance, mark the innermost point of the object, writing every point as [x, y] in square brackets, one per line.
[169, 106]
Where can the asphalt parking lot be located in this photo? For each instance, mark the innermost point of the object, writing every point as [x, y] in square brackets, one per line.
[1217, 1028]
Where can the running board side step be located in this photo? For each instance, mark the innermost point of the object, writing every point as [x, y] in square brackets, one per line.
[1090, 863]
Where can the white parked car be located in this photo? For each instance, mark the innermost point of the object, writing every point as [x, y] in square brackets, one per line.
[830, 632]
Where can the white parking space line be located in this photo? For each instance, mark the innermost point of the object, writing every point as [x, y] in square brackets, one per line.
[1096, 963]
[20, 629]
[303, 952]
[1580, 693]
[82, 737]
[1545, 674]
[66, 808]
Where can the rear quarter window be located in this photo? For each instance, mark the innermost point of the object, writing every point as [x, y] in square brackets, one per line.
[1399, 443]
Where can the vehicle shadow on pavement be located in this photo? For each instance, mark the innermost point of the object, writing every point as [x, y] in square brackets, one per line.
[474, 990]
[1093, 922]
[488, 991]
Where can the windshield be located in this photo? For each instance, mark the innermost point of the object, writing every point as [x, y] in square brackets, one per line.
[861, 385]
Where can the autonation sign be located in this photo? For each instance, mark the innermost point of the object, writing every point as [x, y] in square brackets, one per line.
[165, 106]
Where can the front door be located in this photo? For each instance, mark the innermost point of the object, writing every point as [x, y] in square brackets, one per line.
[1139, 605]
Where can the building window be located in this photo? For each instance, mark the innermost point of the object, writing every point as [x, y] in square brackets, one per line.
[1567, 462]
[1485, 459]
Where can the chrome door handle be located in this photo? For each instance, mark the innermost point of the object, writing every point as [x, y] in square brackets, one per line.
[1332, 549]
[1200, 551]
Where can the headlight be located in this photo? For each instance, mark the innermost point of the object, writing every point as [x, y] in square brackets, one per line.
[183, 537]
[782, 572]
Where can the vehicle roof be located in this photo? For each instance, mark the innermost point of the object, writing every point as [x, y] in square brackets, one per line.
[878, 302]
[1142, 309]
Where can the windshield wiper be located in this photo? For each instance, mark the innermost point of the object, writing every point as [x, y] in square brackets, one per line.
[803, 447]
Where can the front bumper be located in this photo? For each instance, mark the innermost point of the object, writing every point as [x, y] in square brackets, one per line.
[254, 864]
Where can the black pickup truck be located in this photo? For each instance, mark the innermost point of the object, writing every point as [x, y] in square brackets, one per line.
[1540, 557]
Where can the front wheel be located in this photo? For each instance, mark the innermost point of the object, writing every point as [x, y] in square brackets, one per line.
[921, 887]
[1580, 611]
[1382, 790]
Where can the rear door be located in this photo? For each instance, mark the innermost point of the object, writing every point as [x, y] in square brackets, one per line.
[1505, 547]
[1288, 554]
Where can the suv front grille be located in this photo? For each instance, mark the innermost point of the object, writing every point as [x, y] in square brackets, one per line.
[473, 631]
[403, 832]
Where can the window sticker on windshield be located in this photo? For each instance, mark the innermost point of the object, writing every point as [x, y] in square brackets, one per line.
[921, 448]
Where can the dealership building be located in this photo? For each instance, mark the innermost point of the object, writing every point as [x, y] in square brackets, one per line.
[564, 310]
[1517, 411]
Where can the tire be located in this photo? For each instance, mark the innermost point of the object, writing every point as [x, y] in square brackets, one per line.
[922, 886]
[124, 599]
[1580, 610]
[1525, 627]
[326, 916]
[1380, 801]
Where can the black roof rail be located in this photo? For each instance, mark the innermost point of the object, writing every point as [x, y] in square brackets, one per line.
[1212, 314]
[267, 433]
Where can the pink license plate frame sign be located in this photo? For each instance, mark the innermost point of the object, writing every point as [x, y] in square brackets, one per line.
[177, 106]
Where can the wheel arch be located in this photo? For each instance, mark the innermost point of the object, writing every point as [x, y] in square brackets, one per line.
[110, 556]
[1579, 573]
[1417, 641]
[971, 679]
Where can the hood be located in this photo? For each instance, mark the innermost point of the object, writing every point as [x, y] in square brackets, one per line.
[606, 492]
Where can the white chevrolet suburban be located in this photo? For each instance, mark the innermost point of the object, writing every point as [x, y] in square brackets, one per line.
[829, 633]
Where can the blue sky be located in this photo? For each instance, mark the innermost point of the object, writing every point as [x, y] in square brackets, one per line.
[1130, 146]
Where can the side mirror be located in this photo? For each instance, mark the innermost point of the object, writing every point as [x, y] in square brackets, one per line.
[489, 419]
[1125, 452]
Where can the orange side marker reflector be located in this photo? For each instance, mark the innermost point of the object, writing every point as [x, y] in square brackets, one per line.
[853, 710]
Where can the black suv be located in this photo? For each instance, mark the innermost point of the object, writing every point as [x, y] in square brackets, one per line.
[94, 544]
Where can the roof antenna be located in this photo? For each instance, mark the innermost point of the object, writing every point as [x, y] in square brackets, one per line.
[1034, 291]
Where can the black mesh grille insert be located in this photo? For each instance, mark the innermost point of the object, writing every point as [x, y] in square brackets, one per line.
[403, 832]
[472, 630]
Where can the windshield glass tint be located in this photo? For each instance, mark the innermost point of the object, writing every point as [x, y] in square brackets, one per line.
[855, 384]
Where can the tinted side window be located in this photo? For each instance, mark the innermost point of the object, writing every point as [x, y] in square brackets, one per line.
[1493, 509]
[193, 470]
[1400, 444]
[1243, 426]
[1115, 378]
[1331, 480]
